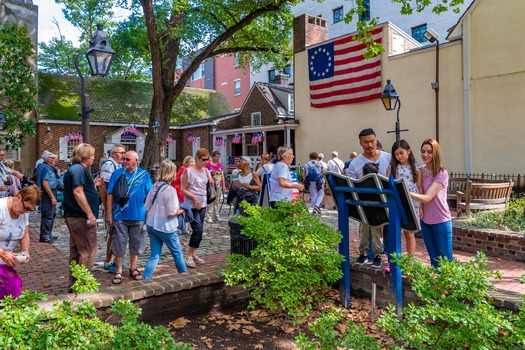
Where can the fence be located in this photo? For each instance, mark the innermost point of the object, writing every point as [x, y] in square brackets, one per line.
[519, 180]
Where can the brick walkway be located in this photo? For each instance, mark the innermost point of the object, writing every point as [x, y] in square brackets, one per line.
[47, 271]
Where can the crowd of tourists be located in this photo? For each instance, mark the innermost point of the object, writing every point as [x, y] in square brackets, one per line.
[134, 205]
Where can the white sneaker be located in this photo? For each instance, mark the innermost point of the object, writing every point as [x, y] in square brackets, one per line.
[190, 262]
[209, 221]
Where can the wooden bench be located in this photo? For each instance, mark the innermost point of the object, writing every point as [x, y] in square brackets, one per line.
[483, 196]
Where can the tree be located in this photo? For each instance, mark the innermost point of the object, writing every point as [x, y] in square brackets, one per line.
[58, 55]
[17, 84]
[259, 30]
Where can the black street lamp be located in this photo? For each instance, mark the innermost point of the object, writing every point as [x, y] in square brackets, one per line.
[391, 100]
[99, 56]
[2, 121]
[432, 36]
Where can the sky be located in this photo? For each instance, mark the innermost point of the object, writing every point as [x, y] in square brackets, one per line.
[47, 9]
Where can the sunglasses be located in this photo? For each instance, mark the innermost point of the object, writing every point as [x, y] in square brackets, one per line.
[204, 159]
[120, 152]
[128, 159]
[24, 206]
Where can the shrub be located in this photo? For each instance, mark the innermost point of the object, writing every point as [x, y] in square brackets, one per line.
[330, 332]
[295, 261]
[70, 325]
[512, 219]
[455, 310]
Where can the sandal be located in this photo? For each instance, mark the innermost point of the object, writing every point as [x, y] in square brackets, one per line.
[135, 274]
[117, 279]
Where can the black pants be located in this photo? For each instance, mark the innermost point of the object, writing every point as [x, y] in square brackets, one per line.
[48, 213]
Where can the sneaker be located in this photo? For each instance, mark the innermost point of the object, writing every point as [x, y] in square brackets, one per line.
[361, 260]
[111, 267]
[387, 268]
[318, 210]
[190, 262]
[377, 263]
[209, 221]
[198, 260]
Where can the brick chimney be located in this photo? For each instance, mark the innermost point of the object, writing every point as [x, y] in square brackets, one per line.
[308, 30]
[281, 79]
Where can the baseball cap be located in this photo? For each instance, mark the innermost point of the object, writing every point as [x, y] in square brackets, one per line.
[334, 153]
[48, 154]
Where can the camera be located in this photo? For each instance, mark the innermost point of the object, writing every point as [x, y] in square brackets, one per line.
[8, 182]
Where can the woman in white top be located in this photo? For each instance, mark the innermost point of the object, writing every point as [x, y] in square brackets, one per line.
[14, 220]
[193, 186]
[162, 205]
[281, 183]
[247, 183]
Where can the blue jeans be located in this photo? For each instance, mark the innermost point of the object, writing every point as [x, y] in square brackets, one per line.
[438, 240]
[156, 239]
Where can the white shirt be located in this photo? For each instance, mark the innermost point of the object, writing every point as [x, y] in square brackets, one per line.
[336, 165]
[355, 169]
[166, 203]
[11, 230]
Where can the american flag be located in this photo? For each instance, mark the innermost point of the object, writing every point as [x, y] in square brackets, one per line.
[339, 73]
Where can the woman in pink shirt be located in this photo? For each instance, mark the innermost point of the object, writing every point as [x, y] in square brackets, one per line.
[436, 223]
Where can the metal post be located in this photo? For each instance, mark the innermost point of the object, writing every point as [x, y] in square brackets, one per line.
[437, 90]
[344, 249]
[84, 103]
[398, 129]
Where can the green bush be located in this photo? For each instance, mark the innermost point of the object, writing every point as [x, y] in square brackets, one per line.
[330, 332]
[295, 261]
[512, 219]
[70, 325]
[455, 312]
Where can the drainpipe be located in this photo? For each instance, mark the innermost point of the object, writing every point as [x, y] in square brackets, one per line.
[467, 103]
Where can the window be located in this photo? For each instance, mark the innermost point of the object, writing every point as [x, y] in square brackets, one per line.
[199, 73]
[288, 70]
[237, 56]
[12, 154]
[237, 90]
[271, 76]
[417, 33]
[338, 14]
[256, 118]
[365, 15]
[290, 103]
[71, 144]
[253, 150]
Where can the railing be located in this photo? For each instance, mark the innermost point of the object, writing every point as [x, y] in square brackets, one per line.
[519, 180]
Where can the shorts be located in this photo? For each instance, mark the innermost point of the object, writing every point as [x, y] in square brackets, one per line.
[132, 230]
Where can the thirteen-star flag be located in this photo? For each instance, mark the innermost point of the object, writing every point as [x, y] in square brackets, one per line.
[340, 74]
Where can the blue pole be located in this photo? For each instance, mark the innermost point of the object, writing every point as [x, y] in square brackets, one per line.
[394, 246]
[344, 249]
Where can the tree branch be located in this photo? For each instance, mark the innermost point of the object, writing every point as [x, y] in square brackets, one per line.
[244, 49]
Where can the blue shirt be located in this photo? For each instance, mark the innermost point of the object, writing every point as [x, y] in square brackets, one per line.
[139, 184]
[76, 176]
[47, 172]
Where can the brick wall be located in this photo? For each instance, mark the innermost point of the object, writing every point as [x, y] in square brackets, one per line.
[502, 244]
[308, 30]
[256, 103]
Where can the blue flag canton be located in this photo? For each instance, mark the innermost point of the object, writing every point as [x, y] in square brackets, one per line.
[321, 62]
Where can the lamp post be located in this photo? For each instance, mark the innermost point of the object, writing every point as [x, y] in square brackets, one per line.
[391, 100]
[432, 36]
[2, 121]
[99, 56]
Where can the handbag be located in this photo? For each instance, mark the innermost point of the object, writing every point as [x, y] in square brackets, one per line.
[211, 192]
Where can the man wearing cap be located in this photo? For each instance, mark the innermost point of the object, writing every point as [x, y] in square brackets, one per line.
[47, 181]
[4, 174]
[335, 164]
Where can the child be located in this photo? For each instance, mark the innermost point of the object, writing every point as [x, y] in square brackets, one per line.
[403, 166]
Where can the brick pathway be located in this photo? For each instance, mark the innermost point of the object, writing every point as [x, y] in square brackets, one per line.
[47, 271]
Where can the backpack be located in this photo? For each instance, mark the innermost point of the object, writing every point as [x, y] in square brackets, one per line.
[311, 175]
[120, 191]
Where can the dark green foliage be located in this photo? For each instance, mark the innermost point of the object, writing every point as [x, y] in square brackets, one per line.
[512, 219]
[330, 332]
[456, 311]
[295, 261]
[74, 325]
[17, 84]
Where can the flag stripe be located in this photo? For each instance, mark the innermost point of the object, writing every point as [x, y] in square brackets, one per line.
[339, 73]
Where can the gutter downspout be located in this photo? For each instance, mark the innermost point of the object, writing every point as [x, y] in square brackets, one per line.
[467, 95]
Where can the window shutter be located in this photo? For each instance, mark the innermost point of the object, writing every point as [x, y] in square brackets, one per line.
[140, 147]
[63, 149]
[172, 150]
